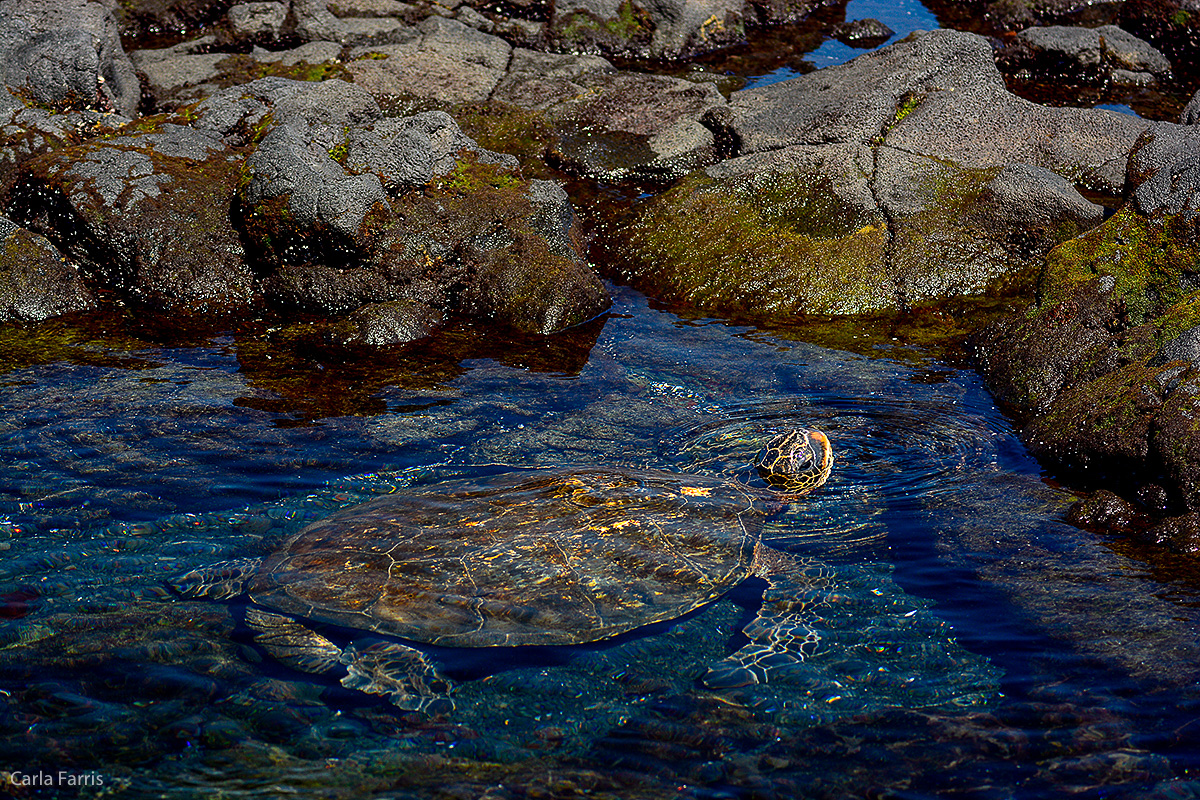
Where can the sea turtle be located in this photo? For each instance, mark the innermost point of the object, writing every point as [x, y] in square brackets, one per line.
[534, 558]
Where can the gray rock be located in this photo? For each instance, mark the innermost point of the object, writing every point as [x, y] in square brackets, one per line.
[1078, 47]
[959, 245]
[1184, 347]
[906, 175]
[314, 21]
[28, 132]
[412, 151]
[448, 62]
[260, 20]
[302, 204]
[1164, 171]
[863, 33]
[371, 8]
[1122, 50]
[553, 217]
[181, 73]
[311, 53]
[36, 282]
[521, 32]
[111, 84]
[145, 215]
[857, 101]
[473, 19]
[58, 68]
[537, 80]
[1086, 53]
[615, 125]
[1191, 112]
[237, 114]
[322, 112]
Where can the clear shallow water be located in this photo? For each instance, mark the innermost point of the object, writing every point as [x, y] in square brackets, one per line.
[970, 641]
[902, 17]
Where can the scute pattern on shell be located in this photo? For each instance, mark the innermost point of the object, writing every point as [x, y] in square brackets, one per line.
[532, 559]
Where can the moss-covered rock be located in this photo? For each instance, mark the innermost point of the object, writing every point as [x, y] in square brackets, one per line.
[843, 229]
[1100, 370]
[145, 213]
[764, 242]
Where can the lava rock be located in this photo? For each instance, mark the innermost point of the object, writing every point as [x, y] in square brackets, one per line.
[302, 205]
[144, 214]
[664, 30]
[1086, 54]
[1107, 511]
[859, 188]
[1164, 172]
[261, 21]
[67, 54]
[36, 282]
[866, 33]
[443, 60]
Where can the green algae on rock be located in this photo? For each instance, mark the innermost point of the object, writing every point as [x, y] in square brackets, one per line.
[744, 253]
[1090, 368]
[854, 190]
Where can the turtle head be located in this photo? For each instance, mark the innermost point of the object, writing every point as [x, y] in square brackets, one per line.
[797, 461]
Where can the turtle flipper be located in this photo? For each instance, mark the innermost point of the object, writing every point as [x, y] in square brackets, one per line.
[291, 643]
[401, 674]
[780, 636]
[219, 581]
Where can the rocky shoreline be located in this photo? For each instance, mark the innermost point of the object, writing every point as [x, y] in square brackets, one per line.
[381, 168]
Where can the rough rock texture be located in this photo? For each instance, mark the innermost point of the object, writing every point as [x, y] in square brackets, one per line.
[614, 125]
[662, 29]
[1086, 54]
[1191, 112]
[859, 187]
[66, 54]
[304, 196]
[442, 60]
[27, 132]
[144, 214]
[1103, 368]
[259, 21]
[36, 282]
[866, 33]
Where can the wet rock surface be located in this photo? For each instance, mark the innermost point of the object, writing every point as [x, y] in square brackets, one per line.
[66, 54]
[261, 195]
[858, 188]
[1101, 368]
[1086, 54]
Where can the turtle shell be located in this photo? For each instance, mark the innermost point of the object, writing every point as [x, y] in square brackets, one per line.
[532, 559]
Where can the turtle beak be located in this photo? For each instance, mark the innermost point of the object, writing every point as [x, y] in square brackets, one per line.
[822, 454]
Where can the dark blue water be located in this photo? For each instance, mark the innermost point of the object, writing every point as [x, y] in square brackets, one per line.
[970, 641]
